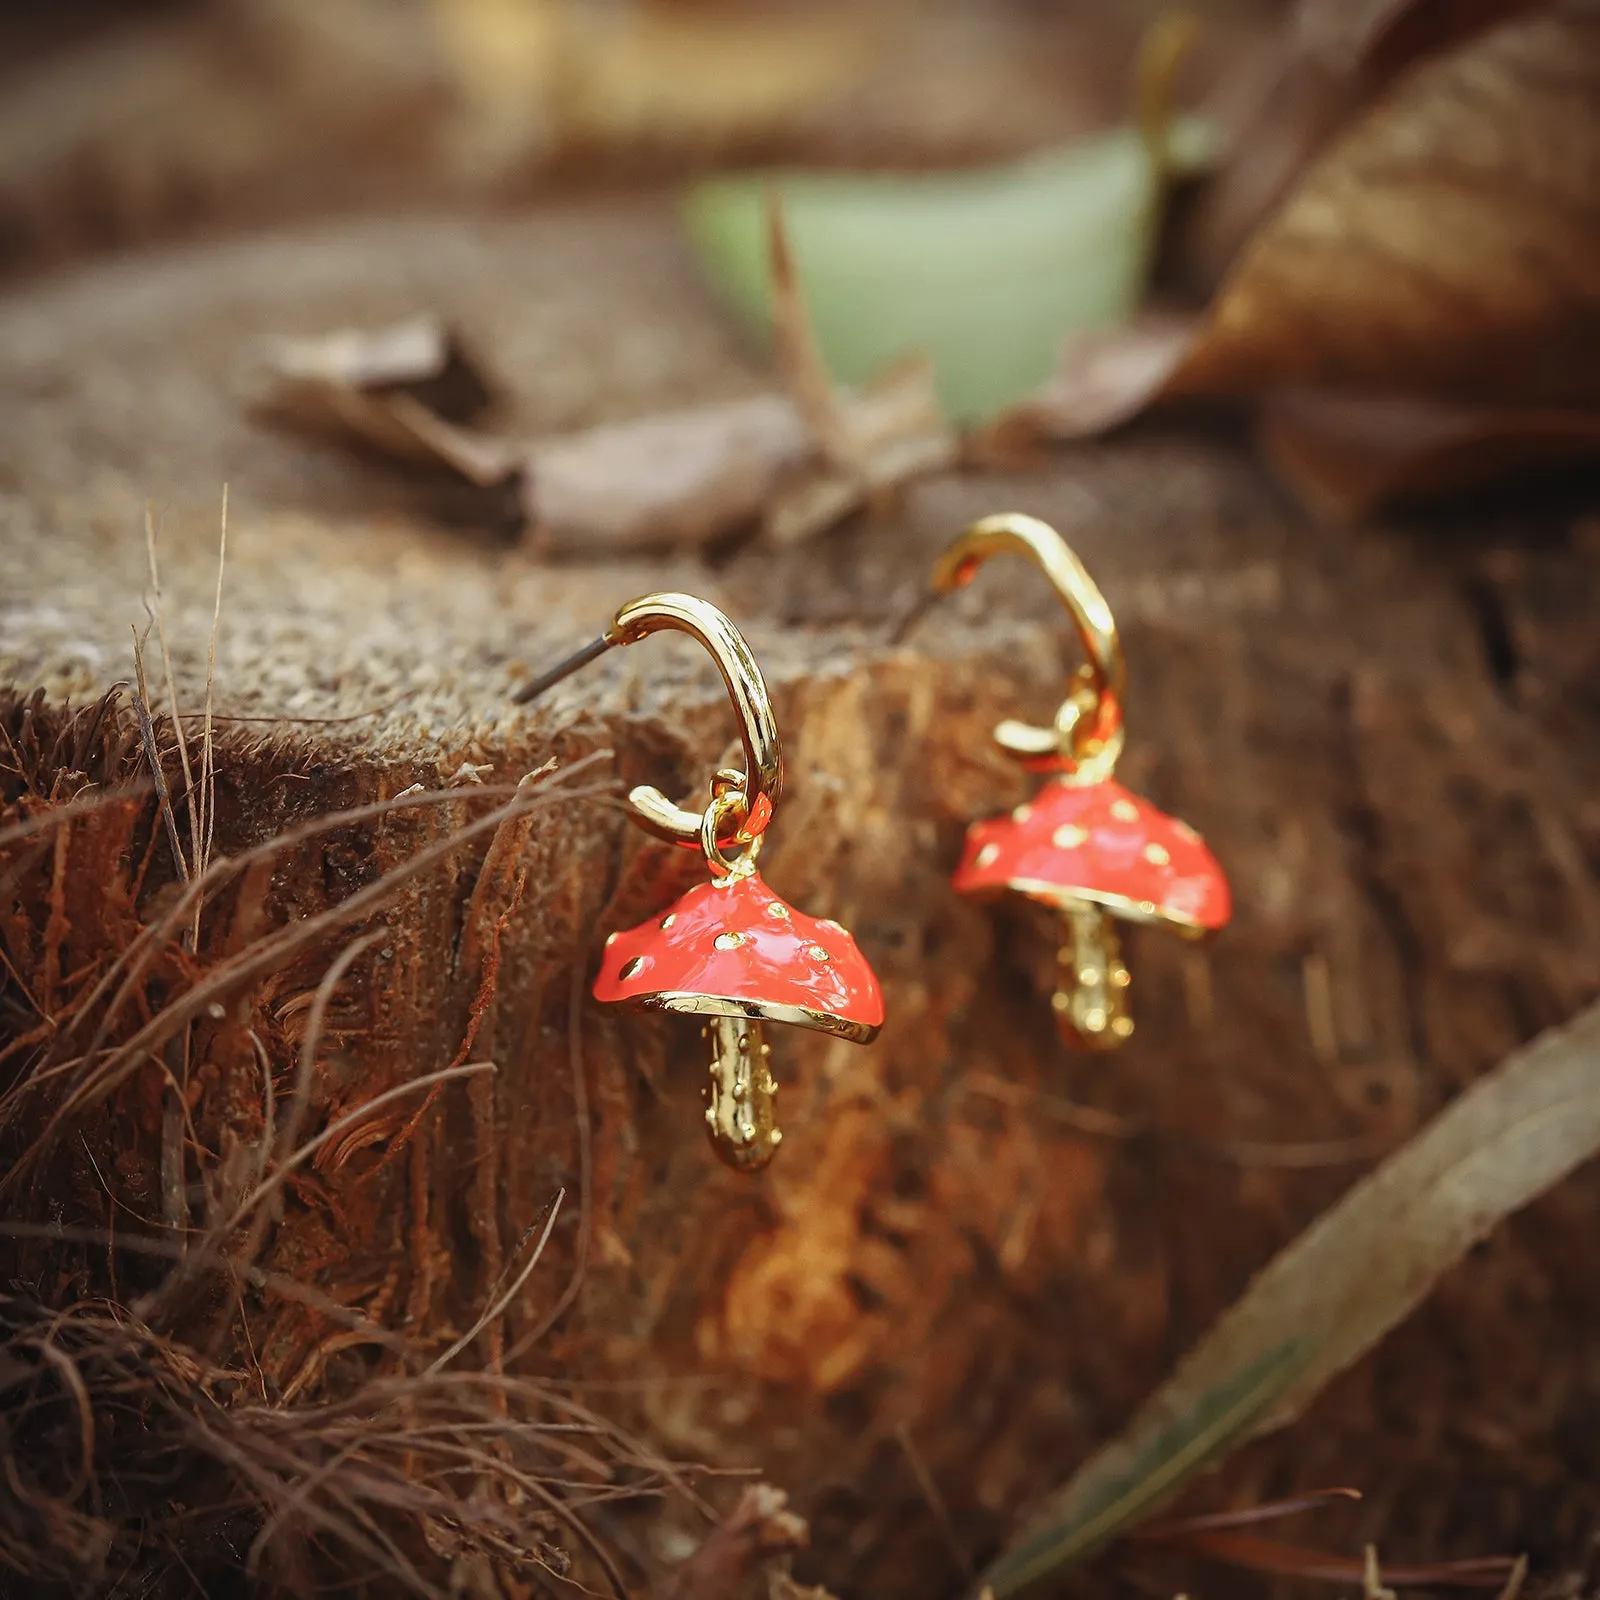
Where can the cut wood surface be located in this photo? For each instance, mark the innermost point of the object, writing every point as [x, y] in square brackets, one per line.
[975, 1254]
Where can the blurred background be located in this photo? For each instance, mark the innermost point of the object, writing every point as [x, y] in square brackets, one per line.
[131, 119]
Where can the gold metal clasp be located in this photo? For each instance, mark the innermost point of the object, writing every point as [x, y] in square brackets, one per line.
[742, 803]
[1087, 734]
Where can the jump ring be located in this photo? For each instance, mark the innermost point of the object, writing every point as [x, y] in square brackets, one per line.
[723, 806]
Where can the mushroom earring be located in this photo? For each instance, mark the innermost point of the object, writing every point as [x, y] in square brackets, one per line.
[730, 950]
[1083, 844]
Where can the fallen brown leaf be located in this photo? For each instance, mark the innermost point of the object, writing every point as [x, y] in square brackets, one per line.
[794, 462]
[1346, 455]
[758, 1529]
[400, 389]
[1423, 313]
[1445, 246]
[1107, 377]
[679, 478]
[421, 356]
[1333, 57]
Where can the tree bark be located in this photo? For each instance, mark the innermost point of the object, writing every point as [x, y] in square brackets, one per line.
[975, 1252]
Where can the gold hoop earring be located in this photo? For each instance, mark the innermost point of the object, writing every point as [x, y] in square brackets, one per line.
[730, 950]
[1083, 844]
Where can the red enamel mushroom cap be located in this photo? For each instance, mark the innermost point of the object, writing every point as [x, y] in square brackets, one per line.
[732, 948]
[1099, 843]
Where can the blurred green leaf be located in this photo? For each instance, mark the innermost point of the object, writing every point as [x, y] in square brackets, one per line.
[1327, 1298]
[1108, 1505]
[984, 272]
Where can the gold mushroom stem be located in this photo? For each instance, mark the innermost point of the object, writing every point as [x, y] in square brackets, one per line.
[1091, 998]
[741, 1095]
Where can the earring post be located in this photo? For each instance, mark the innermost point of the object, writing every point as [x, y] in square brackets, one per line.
[912, 616]
[563, 669]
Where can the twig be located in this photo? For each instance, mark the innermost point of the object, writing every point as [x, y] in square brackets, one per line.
[152, 755]
[930, 1493]
[580, 1111]
[499, 1306]
[258, 1277]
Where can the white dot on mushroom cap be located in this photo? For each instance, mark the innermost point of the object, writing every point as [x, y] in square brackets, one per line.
[1186, 830]
[1069, 836]
[817, 953]
[778, 909]
[669, 919]
[611, 939]
[728, 941]
[633, 967]
[1022, 813]
[1124, 811]
[1157, 855]
[828, 922]
[988, 855]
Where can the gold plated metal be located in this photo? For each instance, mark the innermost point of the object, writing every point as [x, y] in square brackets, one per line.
[758, 1011]
[1099, 860]
[741, 1094]
[1087, 733]
[751, 794]
[714, 829]
[1091, 998]
[729, 952]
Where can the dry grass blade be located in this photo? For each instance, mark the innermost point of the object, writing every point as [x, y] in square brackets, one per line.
[1215, 1536]
[208, 753]
[190, 866]
[165, 1249]
[1333, 1293]
[1248, 1516]
[106, 1071]
[513, 1289]
[1252, 1554]
[152, 755]
[795, 348]
[120, 983]
[127, 1454]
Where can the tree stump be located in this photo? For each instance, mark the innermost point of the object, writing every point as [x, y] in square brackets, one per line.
[975, 1253]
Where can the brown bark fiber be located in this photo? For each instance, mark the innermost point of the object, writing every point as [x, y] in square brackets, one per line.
[1389, 737]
